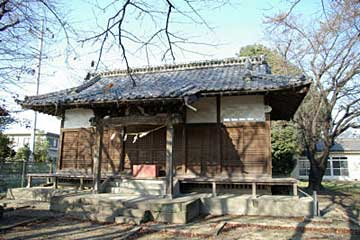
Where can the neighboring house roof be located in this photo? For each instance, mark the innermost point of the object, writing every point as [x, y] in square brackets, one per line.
[239, 75]
[343, 145]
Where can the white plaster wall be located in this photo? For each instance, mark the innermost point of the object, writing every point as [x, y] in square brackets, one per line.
[242, 108]
[78, 118]
[206, 111]
[353, 167]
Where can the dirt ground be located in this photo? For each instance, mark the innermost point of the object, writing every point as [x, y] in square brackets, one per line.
[340, 211]
[59, 227]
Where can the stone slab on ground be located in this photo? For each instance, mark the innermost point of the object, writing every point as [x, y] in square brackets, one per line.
[39, 193]
[105, 207]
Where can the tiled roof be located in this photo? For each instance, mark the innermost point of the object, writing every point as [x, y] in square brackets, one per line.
[173, 81]
[343, 145]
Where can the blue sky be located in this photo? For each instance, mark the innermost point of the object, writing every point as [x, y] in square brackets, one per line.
[236, 24]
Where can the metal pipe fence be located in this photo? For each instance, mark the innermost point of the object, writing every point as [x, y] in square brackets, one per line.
[12, 174]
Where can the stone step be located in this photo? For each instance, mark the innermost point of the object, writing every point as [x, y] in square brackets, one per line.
[145, 181]
[128, 191]
[128, 220]
[140, 185]
[131, 212]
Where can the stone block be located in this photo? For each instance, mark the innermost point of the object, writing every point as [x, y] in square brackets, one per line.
[128, 220]
[188, 211]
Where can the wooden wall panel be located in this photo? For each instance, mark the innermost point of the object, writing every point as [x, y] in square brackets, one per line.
[246, 149]
[179, 149]
[203, 155]
[236, 149]
[77, 149]
[149, 149]
[111, 155]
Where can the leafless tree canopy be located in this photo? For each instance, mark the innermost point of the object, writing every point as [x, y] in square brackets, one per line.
[20, 26]
[154, 27]
[327, 49]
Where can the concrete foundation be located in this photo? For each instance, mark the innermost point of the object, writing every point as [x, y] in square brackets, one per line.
[280, 206]
[94, 207]
[108, 208]
[39, 193]
[183, 209]
[179, 210]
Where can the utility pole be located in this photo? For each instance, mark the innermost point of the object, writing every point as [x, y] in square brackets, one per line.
[33, 133]
[33, 130]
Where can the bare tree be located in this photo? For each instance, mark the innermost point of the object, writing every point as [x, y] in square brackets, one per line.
[326, 47]
[159, 31]
[21, 22]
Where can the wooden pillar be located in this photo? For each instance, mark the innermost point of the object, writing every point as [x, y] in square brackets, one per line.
[169, 159]
[253, 190]
[269, 156]
[97, 156]
[122, 143]
[55, 182]
[214, 189]
[29, 184]
[295, 189]
[81, 183]
[219, 132]
[61, 143]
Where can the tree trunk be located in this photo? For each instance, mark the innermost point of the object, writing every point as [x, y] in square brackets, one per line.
[317, 171]
[315, 176]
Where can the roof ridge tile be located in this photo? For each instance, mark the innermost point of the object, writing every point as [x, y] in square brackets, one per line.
[250, 60]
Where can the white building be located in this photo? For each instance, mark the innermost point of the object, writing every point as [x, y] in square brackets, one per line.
[21, 138]
[343, 164]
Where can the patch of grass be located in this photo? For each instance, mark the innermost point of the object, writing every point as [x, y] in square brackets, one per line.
[345, 187]
[303, 184]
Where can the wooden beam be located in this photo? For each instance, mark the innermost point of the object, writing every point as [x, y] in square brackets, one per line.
[98, 156]
[136, 120]
[139, 120]
[169, 159]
